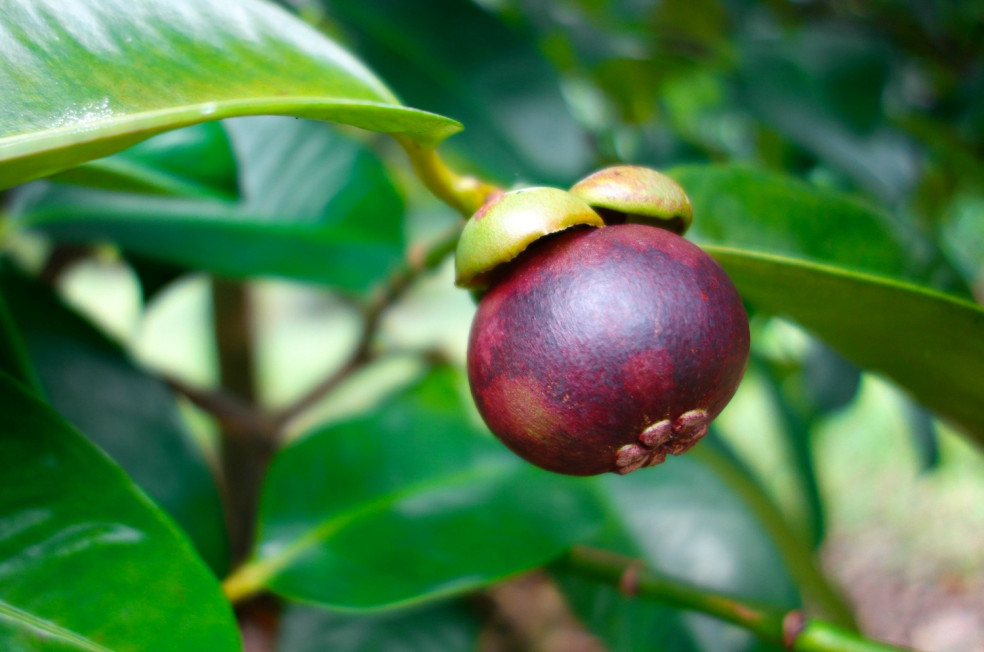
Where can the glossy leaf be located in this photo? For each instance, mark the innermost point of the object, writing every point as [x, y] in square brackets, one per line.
[316, 206]
[681, 520]
[410, 503]
[196, 161]
[129, 414]
[769, 213]
[457, 58]
[443, 627]
[86, 561]
[86, 78]
[929, 343]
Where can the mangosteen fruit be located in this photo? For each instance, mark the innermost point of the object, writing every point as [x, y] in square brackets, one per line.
[599, 348]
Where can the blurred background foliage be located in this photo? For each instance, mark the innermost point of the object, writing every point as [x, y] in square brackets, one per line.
[882, 100]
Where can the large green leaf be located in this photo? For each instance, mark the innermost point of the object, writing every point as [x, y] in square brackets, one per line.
[856, 278]
[771, 213]
[457, 58]
[82, 79]
[129, 414]
[410, 503]
[315, 206]
[681, 520]
[87, 563]
[929, 343]
[195, 161]
[442, 627]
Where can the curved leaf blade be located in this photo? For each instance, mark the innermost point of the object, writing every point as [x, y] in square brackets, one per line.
[769, 213]
[77, 538]
[196, 161]
[315, 206]
[84, 79]
[929, 343]
[409, 504]
[132, 416]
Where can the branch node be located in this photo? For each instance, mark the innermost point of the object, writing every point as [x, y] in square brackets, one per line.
[793, 625]
[628, 583]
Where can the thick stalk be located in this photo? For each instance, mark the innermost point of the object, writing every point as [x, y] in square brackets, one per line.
[246, 446]
[789, 630]
[463, 193]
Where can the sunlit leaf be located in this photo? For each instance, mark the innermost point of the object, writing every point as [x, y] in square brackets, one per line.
[196, 161]
[129, 414]
[929, 343]
[83, 79]
[315, 205]
[410, 503]
[87, 563]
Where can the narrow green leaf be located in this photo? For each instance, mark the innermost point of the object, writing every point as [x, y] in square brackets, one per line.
[929, 343]
[196, 161]
[442, 627]
[316, 206]
[681, 520]
[410, 503]
[86, 561]
[770, 213]
[83, 79]
[14, 360]
[129, 414]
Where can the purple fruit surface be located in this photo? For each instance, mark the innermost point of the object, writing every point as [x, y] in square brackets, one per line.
[606, 349]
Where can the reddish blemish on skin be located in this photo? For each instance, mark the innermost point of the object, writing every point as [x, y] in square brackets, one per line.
[490, 200]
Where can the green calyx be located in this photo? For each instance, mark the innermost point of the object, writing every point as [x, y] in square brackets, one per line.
[629, 193]
[510, 222]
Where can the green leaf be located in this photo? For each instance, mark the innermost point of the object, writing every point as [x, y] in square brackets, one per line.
[129, 414]
[459, 59]
[929, 343]
[86, 561]
[196, 161]
[316, 206]
[411, 503]
[683, 521]
[14, 360]
[770, 213]
[86, 78]
[442, 627]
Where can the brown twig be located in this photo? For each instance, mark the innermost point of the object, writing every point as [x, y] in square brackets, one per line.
[419, 260]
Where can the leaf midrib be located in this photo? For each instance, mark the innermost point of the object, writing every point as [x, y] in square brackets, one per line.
[270, 566]
[34, 623]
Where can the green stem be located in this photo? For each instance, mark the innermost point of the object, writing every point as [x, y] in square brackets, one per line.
[789, 630]
[796, 553]
[465, 194]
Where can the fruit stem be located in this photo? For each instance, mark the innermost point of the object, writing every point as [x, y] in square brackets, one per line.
[789, 630]
[795, 552]
[463, 193]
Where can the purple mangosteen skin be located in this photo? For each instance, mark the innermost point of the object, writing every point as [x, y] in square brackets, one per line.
[605, 349]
